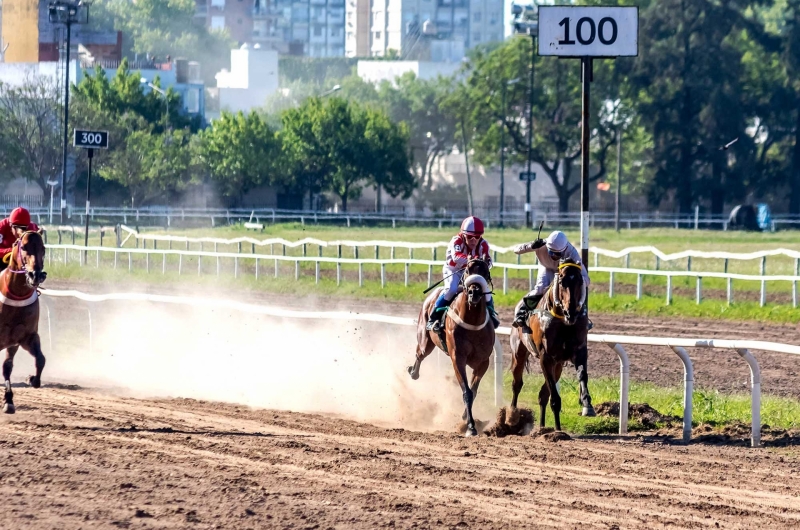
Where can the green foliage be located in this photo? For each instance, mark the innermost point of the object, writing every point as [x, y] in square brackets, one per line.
[314, 70]
[240, 152]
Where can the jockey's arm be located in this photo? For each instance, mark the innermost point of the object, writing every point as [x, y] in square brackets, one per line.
[486, 255]
[457, 256]
[525, 248]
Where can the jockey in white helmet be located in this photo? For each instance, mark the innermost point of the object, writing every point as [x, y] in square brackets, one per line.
[468, 243]
[550, 252]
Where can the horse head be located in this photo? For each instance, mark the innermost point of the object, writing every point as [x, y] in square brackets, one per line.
[476, 280]
[28, 258]
[570, 291]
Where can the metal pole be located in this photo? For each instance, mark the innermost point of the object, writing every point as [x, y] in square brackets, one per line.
[586, 79]
[528, 213]
[88, 197]
[66, 127]
[503, 154]
[619, 179]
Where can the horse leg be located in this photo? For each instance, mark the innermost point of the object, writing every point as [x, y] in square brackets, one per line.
[34, 347]
[8, 366]
[583, 380]
[460, 366]
[555, 397]
[518, 362]
[549, 392]
[477, 376]
[422, 352]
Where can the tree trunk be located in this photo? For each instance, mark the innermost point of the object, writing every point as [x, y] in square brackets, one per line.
[684, 184]
[718, 187]
[344, 200]
[794, 178]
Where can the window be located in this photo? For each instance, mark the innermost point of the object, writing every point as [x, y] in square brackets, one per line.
[335, 32]
[218, 3]
[318, 31]
[377, 34]
[493, 19]
[193, 100]
[476, 17]
[218, 23]
[476, 37]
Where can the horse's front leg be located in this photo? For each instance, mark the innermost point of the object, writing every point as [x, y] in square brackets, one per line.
[8, 366]
[552, 373]
[477, 376]
[460, 367]
[585, 399]
[518, 362]
[424, 348]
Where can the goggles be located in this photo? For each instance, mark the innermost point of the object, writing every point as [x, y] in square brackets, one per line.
[555, 255]
[472, 237]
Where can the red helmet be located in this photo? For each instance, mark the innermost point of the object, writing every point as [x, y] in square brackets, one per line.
[472, 226]
[20, 217]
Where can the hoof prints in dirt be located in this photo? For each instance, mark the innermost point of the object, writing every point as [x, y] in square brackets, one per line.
[549, 434]
[512, 421]
[642, 412]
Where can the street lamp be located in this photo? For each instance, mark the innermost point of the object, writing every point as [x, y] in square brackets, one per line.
[335, 88]
[68, 13]
[503, 149]
[530, 27]
[161, 91]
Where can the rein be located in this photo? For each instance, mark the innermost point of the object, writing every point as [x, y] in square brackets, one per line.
[552, 294]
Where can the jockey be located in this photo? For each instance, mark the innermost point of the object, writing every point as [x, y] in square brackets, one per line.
[468, 243]
[550, 252]
[11, 230]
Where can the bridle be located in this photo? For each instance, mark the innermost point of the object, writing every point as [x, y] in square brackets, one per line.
[557, 305]
[488, 281]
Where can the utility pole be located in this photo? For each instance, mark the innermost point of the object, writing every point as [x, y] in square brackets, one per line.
[619, 179]
[503, 149]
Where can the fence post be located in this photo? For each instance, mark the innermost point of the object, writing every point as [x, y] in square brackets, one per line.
[236, 267]
[377, 253]
[730, 291]
[199, 268]
[794, 294]
[338, 272]
[164, 263]
[611, 285]
[391, 252]
[638, 286]
[763, 297]
[180, 262]
[316, 272]
[256, 268]
[689, 263]
[505, 280]
[147, 262]
[519, 259]
[383, 275]
[658, 263]
[627, 261]
[406, 274]
[252, 248]
[276, 268]
[725, 268]
[297, 270]
[361, 275]
[434, 249]
[669, 289]
[430, 274]
[763, 265]
[305, 250]
[596, 259]
[699, 290]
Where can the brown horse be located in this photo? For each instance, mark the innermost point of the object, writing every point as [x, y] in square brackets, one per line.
[19, 309]
[559, 328]
[468, 334]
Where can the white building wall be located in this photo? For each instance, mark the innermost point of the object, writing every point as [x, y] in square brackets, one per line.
[252, 79]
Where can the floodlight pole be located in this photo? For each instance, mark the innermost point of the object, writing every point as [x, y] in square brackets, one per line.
[62, 192]
[528, 213]
[586, 80]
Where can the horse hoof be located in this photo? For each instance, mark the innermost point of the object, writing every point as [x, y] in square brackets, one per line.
[588, 412]
[414, 375]
[34, 381]
[470, 433]
[9, 408]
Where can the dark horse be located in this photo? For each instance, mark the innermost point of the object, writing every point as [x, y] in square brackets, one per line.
[19, 310]
[559, 327]
[468, 333]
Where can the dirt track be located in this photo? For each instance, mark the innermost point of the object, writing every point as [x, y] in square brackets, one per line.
[77, 459]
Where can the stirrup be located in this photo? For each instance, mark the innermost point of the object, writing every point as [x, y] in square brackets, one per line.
[590, 325]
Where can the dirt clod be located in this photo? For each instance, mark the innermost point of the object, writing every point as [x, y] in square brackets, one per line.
[512, 421]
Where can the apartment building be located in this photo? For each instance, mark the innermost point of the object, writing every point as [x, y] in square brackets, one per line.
[312, 28]
[429, 30]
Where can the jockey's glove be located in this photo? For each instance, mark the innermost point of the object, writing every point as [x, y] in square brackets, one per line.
[528, 247]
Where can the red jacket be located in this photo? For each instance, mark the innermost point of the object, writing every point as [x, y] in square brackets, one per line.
[7, 237]
[458, 253]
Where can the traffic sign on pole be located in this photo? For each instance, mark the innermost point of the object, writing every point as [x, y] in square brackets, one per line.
[527, 176]
[90, 139]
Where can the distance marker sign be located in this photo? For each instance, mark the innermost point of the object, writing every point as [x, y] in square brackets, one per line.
[90, 139]
[581, 31]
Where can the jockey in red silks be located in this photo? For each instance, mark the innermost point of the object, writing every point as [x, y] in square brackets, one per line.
[11, 230]
[468, 243]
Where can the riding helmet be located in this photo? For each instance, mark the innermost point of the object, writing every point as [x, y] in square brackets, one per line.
[20, 217]
[557, 241]
[472, 226]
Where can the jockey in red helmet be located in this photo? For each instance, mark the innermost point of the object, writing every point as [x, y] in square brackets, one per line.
[12, 229]
[468, 243]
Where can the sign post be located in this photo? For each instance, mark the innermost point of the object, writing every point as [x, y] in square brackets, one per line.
[588, 32]
[89, 140]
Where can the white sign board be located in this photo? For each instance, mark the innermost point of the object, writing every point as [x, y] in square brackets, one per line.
[581, 31]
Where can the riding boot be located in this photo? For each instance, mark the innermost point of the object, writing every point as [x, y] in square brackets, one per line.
[529, 303]
[589, 324]
[493, 314]
[435, 318]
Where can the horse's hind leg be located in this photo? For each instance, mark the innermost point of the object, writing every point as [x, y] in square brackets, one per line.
[34, 347]
[8, 366]
[460, 366]
[549, 391]
[518, 362]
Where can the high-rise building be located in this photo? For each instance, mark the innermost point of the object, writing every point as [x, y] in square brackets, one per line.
[437, 30]
[313, 28]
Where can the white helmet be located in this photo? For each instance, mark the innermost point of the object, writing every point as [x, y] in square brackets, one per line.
[557, 241]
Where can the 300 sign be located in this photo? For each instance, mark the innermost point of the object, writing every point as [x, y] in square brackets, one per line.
[91, 139]
[588, 31]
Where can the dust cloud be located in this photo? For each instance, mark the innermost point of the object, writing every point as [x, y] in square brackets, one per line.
[352, 369]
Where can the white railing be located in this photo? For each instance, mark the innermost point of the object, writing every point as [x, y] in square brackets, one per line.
[615, 342]
[257, 259]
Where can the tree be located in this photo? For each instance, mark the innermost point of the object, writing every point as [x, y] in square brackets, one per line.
[240, 153]
[31, 137]
[332, 144]
[556, 113]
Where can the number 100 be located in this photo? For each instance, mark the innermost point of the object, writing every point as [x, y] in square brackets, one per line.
[586, 25]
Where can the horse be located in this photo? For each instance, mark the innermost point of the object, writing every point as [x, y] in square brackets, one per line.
[468, 335]
[559, 327]
[19, 309]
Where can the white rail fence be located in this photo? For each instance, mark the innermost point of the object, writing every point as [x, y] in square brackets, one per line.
[615, 342]
[257, 260]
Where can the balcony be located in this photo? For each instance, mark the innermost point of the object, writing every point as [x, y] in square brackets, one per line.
[261, 13]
